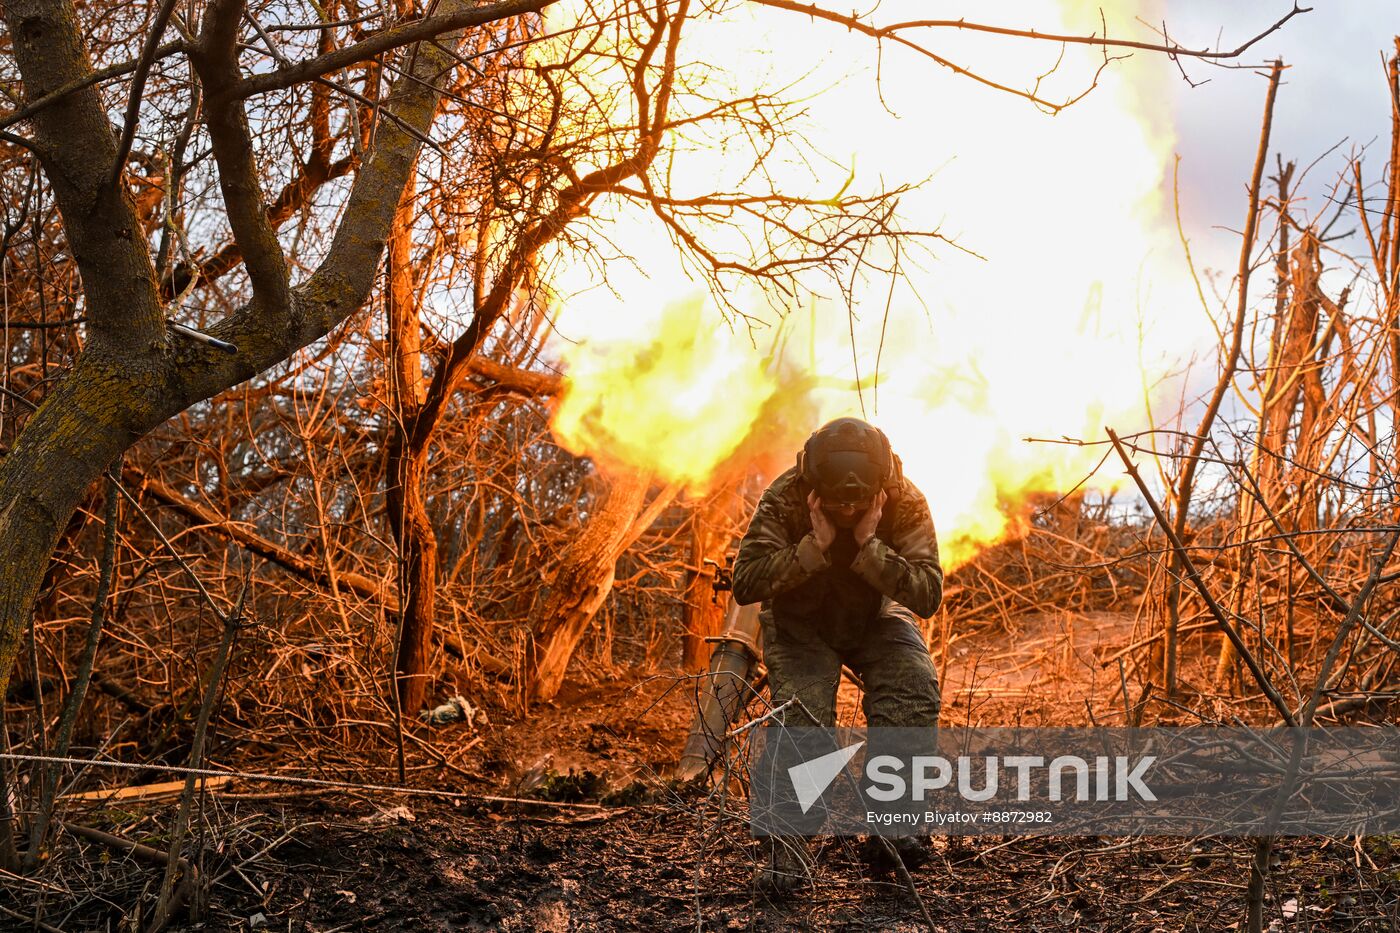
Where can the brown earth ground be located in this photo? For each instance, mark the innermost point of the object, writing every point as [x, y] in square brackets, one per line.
[618, 848]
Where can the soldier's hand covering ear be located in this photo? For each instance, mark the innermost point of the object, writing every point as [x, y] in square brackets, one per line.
[865, 528]
[822, 527]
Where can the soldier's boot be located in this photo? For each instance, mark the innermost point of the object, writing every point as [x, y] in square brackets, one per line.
[788, 869]
[879, 853]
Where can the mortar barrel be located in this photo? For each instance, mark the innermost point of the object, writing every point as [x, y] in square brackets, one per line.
[723, 692]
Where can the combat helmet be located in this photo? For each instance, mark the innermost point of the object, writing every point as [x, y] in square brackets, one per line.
[847, 461]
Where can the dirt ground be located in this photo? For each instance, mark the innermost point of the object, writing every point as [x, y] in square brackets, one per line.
[617, 847]
[676, 866]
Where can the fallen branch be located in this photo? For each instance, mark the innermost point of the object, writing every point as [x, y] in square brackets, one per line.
[140, 851]
[212, 521]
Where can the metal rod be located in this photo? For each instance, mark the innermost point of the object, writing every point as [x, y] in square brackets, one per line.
[186, 331]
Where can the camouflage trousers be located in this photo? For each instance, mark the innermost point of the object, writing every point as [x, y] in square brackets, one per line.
[804, 658]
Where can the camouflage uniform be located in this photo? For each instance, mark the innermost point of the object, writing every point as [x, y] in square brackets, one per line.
[852, 606]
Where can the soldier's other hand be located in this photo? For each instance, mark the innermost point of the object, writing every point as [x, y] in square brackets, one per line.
[822, 527]
[865, 528]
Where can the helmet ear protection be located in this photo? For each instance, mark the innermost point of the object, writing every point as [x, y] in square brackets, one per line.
[891, 469]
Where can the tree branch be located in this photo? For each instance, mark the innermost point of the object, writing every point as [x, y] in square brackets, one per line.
[1170, 48]
[229, 529]
[1221, 617]
[522, 381]
[386, 41]
[339, 286]
[216, 60]
[138, 87]
[892, 32]
[570, 203]
[315, 173]
[96, 77]
[1186, 481]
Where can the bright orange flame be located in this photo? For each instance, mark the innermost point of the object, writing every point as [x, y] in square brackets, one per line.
[1054, 333]
[677, 398]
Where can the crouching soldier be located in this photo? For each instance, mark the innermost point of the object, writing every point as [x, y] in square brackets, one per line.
[842, 553]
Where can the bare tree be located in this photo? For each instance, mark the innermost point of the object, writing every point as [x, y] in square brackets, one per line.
[134, 373]
[122, 211]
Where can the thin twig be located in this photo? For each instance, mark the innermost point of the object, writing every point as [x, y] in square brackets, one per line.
[1179, 549]
[39, 830]
[168, 901]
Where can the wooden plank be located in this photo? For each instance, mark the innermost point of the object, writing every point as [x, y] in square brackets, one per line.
[146, 791]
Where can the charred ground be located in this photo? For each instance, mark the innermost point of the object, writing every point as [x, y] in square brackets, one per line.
[566, 822]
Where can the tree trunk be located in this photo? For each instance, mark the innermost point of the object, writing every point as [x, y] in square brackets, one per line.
[1293, 376]
[417, 542]
[1185, 483]
[584, 577]
[132, 374]
[408, 469]
[712, 531]
[66, 445]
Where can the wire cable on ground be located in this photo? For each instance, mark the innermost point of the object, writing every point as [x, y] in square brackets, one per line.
[292, 779]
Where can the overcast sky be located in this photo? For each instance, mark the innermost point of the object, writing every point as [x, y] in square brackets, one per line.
[1333, 91]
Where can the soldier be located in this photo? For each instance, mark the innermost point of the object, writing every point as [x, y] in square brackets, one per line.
[842, 553]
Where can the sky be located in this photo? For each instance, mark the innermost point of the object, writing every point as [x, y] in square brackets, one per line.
[1333, 92]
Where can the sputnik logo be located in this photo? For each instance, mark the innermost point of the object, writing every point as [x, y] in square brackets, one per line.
[811, 778]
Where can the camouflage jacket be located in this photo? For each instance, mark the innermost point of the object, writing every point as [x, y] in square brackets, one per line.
[779, 562]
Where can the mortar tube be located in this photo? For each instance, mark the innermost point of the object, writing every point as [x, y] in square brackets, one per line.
[722, 693]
